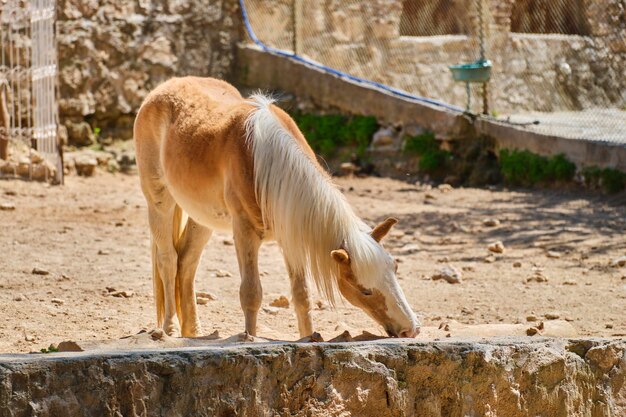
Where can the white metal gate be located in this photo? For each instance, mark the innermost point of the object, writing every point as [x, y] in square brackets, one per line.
[29, 145]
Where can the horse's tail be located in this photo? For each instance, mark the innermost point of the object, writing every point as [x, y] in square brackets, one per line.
[179, 222]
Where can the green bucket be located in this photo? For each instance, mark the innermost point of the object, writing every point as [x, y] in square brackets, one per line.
[475, 72]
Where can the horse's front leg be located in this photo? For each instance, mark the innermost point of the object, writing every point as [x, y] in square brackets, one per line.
[247, 243]
[301, 299]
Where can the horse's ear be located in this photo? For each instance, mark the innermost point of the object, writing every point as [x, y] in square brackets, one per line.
[341, 256]
[382, 229]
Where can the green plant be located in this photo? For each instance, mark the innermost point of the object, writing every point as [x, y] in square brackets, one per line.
[426, 146]
[611, 180]
[327, 133]
[526, 168]
[49, 349]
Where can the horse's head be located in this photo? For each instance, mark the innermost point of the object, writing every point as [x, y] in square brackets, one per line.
[372, 286]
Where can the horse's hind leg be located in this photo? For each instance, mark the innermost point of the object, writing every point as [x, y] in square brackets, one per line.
[161, 219]
[189, 249]
[247, 244]
[301, 300]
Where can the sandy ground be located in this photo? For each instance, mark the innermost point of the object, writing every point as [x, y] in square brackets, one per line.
[92, 234]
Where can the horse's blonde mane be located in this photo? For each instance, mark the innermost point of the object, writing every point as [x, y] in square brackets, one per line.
[307, 214]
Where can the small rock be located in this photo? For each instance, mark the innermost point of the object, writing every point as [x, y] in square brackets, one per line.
[271, 310]
[202, 301]
[531, 317]
[496, 247]
[122, 294]
[491, 222]
[604, 357]
[618, 262]
[29, 338]
[314, 338]
[320, 305]
[537, 277]
[157, 334]
[85, 165]
[517, 264]
[489, 259]
[366, 336]
[343, 337]
[20, 297]
[206, 295]
[57, 301]
[570, 282]
[408, 249]
[531, 331]
[384, 137]
[468, 268]
[281, 302]
[10, 192]
[103, 252]
[552, 315]
[223, 274]
[69, 346]
[608, 326]
[444, 188]
[448, 273]
[466, 311]
[553, 254]
[113, 166]
[228, 242]
[429, 196]
[39, 271]
[110, 289]
[7, 207]
[348, 167]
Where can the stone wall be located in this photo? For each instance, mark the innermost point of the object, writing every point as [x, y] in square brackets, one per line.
[513, 377]
[112, 53]
[316, 91]
[533, 72]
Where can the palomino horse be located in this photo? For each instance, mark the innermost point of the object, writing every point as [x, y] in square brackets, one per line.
[210, 159]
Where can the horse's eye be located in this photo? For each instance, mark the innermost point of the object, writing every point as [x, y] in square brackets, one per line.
[365, 291]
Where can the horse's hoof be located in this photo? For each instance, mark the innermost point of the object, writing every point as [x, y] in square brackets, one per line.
[195, 331]
[171, 330]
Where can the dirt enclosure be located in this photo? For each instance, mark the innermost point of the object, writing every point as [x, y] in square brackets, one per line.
[76, 261]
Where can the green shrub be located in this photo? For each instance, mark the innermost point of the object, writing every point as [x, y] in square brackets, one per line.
[611, 180]
[327, 133]
[526, 168]
[426, 146]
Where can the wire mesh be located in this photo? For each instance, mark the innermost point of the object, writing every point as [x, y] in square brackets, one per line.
[28, 105]
[558, 66]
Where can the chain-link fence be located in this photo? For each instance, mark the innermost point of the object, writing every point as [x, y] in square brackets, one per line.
[557, 67]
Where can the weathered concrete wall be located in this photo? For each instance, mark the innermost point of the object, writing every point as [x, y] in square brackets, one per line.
[316, 90]
[112, 53]
[509, 377]
[542, 72]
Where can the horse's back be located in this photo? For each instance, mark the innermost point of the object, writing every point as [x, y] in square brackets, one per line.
[189, 133]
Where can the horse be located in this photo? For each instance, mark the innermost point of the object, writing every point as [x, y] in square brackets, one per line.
[208, 159]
